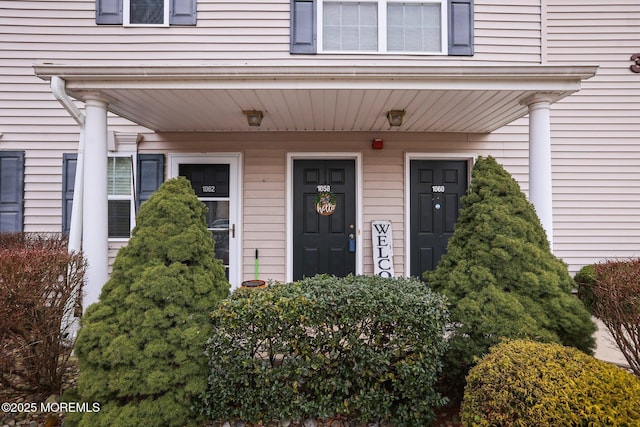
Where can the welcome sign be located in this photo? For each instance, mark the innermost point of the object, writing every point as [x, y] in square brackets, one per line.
[382, 241]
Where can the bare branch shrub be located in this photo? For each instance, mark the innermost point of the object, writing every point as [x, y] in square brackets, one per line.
[616, 302]
[40, 282]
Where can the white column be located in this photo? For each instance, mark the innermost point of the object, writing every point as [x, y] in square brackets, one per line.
[95, 206]
[540, 181]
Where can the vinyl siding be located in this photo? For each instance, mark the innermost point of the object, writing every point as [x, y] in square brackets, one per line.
[264, 214]
[65, 32]
[596, 155]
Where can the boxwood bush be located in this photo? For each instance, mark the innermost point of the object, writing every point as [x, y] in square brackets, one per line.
[524, 383]
[362, 348]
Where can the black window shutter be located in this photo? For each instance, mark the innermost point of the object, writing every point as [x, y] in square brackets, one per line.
[303, 26]
[109, 12]
[182, 12]
[11, 191]
[150, 176]
[69, 163]
[461, 27]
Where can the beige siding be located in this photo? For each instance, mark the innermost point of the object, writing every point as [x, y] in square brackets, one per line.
[596, 159]
[508, 31]
[596, 156]
[383, 172]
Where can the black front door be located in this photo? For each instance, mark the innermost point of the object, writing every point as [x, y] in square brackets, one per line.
[436, 189]
[324, 232]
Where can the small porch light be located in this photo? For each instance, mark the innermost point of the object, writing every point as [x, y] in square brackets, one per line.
[395, 117]
[254, 117]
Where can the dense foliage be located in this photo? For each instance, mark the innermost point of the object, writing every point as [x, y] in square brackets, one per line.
[500, 276]
[585, 279]
[613, 294]
[362, 348]
[141, 347]
[40, 283]
[524, 383]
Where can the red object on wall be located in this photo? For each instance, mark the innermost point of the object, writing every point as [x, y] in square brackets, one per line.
[377, 144]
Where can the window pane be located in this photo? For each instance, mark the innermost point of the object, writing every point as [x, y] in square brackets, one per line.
[431, 39]
[146, 12]
[413, 27]
[119, 176]
[218, 224]
[350, 26]
[119, 218]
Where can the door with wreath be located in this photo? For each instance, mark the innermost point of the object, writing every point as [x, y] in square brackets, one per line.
[324, 217]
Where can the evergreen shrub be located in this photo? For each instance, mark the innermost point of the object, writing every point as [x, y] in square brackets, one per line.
[585, 280]
[362, 348]
[501, 278]
[524, 383]
[141, 346]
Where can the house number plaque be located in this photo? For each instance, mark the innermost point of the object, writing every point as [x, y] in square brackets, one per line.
[208, 188]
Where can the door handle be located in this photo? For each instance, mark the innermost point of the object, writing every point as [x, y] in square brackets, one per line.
[233, 231]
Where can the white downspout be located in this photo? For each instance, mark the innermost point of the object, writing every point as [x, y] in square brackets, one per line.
[71, 324]
[75, 228]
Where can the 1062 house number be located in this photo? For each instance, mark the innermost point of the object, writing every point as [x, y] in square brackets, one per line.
[437, 188]
[208, 188]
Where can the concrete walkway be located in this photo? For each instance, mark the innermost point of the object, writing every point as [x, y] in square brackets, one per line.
[606, 348]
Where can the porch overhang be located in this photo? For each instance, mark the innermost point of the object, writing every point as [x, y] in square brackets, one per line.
[469, 99]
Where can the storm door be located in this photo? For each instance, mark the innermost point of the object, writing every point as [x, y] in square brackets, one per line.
[324, 217]
[214, 185]
[436, 187]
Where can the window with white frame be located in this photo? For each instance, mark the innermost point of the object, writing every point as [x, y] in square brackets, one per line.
[155, 13]
[120, 200]
[146, 12]
[384, 26]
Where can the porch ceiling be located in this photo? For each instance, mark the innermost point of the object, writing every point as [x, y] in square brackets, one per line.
[476, 99]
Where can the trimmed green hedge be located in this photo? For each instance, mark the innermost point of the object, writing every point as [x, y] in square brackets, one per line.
[523, 383]
[365, 348]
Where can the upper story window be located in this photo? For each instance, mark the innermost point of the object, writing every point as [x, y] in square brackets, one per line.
[146, 12]
[437, 27]
[155, 13]
[382, 26]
